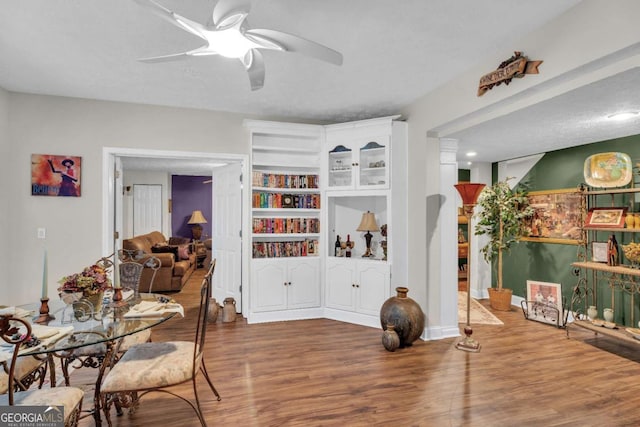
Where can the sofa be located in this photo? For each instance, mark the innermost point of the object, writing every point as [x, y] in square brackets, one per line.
[177, 261]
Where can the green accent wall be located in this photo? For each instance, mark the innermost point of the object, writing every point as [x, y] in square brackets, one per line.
[552, 262]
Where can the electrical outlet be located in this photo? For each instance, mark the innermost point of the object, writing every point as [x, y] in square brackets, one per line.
[42, 233]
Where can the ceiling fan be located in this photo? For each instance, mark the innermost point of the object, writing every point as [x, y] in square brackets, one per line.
[227, 34]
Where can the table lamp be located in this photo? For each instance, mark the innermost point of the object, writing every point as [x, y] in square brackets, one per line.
[196, 219]
[368, 224]
[469, 193]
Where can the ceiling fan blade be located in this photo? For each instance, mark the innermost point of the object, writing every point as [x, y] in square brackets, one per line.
[165, 58]
[254, 64]
[292, 43]
[227, 13]
[179, 21]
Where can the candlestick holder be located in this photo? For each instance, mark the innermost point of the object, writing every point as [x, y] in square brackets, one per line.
[44, 317]
[117, 300]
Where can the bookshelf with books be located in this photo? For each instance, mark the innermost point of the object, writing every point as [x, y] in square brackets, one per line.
[286, 221]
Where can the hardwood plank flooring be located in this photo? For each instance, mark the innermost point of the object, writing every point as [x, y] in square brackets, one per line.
[327, 373]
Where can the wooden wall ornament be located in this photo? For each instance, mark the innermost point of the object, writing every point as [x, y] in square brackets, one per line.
[515, 67]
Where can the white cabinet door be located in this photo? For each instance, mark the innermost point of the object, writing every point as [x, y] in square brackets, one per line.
[373, 162]
[340, 284]
[269, 285]
[372, 287]
[303, 284]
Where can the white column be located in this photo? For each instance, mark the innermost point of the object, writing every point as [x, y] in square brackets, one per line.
[442, 300]
[448, 220]
[479, 269]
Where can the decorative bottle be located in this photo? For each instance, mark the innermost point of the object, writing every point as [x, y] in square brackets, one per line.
[337, 249]
[390, 338]
[348, 250]
[405, 315]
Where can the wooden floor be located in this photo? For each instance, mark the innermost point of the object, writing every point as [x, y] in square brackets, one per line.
[328, 373]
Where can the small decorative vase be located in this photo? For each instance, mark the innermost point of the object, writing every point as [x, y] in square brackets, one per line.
[229, 310]
[212, 316]
[592, 312]
[630, 220]
[95, 300]
[405, 315]
[390, 339]
[608, 314]
[636, 221]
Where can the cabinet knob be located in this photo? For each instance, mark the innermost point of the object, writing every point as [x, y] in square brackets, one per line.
[354, 164]
[285, 283]
[353, 285]
[357, 286]
[289, 283]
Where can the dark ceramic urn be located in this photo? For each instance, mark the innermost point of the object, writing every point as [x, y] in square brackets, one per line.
[405, 315]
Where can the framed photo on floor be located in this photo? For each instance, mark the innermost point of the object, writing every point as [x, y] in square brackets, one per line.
[544, 302]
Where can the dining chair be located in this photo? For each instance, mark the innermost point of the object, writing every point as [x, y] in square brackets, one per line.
[16, 331]
[157, 366]
[130, 267]
[29, 370]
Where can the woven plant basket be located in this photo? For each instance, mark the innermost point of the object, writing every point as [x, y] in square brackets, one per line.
[500, 300]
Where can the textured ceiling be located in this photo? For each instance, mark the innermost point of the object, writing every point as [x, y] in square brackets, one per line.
[394, 53]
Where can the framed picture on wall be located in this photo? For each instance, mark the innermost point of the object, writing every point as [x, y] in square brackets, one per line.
[54, 175]
[556, 217]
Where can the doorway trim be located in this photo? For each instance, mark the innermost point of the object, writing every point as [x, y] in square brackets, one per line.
[109, 155]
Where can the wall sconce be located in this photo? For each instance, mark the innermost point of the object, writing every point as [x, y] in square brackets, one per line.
[368, 224]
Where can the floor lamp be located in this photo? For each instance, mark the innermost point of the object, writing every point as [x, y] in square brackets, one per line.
[469, 193]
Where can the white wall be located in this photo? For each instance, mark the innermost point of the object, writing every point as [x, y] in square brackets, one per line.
[572, 47]
[67, 126]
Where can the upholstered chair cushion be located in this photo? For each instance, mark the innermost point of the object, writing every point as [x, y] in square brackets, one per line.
[151, 365]
[69, 397]
[133, 339]
[24, 365]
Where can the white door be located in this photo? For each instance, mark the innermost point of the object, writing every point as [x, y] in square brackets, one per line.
[226, 226]
[147, 208]
[118, 179]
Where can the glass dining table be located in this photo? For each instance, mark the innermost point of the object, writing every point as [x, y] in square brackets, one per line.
[74, 326]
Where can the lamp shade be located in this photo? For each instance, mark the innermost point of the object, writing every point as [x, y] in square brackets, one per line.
[469, 192]
[368, 222]
[197, 218]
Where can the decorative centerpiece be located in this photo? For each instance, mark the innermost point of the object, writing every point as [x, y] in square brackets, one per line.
[632, 253]
[88, 285]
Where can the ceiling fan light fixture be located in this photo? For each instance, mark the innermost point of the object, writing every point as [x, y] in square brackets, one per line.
[230, 43]
[625, 115]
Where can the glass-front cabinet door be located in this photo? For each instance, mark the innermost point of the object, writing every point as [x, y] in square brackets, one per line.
[341, 167]
[359, 164]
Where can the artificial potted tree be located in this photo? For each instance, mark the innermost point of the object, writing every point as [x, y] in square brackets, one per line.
[501, 214]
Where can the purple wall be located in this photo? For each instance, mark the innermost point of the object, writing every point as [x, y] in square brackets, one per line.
[188, 193]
